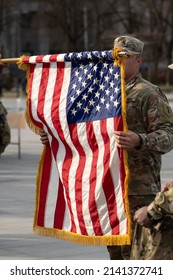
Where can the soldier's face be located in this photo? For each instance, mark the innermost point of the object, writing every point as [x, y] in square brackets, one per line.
[132, 65]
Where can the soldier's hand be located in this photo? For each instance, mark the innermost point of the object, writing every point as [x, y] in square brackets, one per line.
[44, 138]
[127, 140]
[167, 186]
[141, 217]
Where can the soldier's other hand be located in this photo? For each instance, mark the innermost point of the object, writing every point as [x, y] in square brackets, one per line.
[141, 217]
[167, 186]
[127, 140]
[44, 137]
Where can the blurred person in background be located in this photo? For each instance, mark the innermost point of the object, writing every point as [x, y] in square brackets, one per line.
[5, 135]
[155, 222]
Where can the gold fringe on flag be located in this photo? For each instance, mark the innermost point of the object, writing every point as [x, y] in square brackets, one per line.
[119, 60]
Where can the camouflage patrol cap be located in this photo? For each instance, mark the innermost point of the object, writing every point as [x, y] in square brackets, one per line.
[130, 44]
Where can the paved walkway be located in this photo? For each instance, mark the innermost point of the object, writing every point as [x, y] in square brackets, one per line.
[17, 181]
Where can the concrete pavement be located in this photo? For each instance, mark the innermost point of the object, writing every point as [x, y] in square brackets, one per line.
[17, 182]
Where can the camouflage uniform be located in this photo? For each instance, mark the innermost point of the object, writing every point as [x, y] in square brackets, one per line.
[4, 129]
[149, 115]
[156, 243]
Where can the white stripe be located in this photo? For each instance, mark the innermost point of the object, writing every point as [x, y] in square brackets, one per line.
[115, 172]
[60, 57]
[35, 90]
[99, 192]
[75, 157]
[46, 58]
[54, 179]
[86, 177]
[32, 59]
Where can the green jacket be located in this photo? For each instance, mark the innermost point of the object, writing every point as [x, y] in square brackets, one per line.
[149, 115]
[5, 135]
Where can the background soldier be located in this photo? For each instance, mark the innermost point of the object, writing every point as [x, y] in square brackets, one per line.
[5, 135]
[155, 241]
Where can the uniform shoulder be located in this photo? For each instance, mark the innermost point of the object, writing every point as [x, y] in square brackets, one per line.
[149, 88]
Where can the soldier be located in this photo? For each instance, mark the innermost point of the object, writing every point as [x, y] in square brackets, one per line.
[156, 226]
[5, 135]
[149, 135]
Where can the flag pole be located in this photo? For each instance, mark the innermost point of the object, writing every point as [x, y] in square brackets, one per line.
[16, 59]
[10, 60]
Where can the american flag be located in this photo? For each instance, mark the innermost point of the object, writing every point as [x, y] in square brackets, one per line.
[82, 181]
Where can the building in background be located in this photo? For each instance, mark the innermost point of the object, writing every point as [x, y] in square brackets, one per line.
[55, 26]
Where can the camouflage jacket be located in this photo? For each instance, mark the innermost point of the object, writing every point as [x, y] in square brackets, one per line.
[149, 115]
[4, 129]
[156, 243]
[162, 205]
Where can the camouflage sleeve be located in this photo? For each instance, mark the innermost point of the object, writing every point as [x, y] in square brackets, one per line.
[5, 135]
[158, 117]
[162, 205]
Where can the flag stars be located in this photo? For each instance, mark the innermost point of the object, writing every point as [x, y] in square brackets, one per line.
[102, 86]
[89, 77]
[95, 67]
[73, 112]
[89, 56]
[111, 84]
[102, 100]
[90, 89]
[111, 70]
[84, 84]
[107, 106]
[84, 97]
[116, 90]
[91, 102]
[97, 94]
[72, 99]
[107, 78]
[96, 81]
[85, 70]
[116, 76]
[79, 55]
[80, 79]
[86, 110]
[107, 91]
[76, 73]
[116, 103]
[79, 104]
[111, 98]
[98, 108]
[105, 65]
[74, 86]
[78, 92]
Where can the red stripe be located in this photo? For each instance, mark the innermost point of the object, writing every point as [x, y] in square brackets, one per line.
[60, 207]
[107, 181]
[31, 74]
[78, 177]
[45, 177]
[42, 91]
[60, 204]
[56, 121]
[93, 178]
[118, 125]
[53, 58]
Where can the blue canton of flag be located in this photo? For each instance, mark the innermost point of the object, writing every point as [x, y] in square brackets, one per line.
[95, 87]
